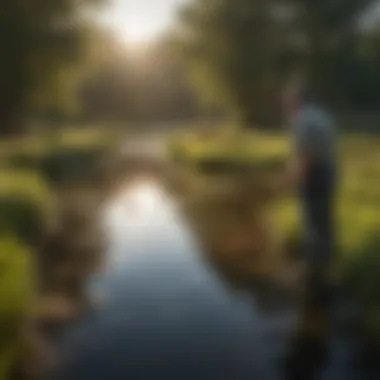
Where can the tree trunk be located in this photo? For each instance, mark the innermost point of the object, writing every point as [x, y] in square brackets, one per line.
[264, 114]
[11, 120]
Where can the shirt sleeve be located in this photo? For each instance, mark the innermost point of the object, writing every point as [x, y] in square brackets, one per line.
[306, 137]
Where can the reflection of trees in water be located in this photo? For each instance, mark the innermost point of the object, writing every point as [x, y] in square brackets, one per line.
[240, 242]
[233, 224]
[308, 350]
[234, 227]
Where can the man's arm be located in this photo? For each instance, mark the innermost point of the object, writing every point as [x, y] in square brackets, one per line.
[302, 154]
[298, 166]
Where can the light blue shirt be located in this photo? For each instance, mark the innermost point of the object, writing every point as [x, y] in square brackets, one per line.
[314, 132]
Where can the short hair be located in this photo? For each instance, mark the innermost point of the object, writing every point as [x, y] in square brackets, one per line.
[305, 94]
[300, 92]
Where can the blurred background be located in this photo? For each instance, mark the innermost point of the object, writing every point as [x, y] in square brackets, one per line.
[98, 94]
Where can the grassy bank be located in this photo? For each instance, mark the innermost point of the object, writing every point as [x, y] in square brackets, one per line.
[35, 244]
[226, 153]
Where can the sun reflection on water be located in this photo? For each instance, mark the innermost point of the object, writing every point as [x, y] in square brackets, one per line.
[142, 199]
[138, 209]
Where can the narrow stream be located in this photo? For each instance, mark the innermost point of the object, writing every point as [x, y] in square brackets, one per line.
[166, 313]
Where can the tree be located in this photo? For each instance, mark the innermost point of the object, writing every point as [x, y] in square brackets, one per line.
[165, 90]
[41, 43]
[233, 50]
[329, 29]
[144, 85]
[239, 52]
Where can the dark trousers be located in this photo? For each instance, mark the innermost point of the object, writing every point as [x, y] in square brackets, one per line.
[318, 234]
[309, 348]
[317, 202]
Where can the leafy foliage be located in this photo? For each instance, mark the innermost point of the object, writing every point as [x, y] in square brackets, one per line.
[138, 86]
[42, 42]
[233, 51]
[71, 164]
[26, 206]
[16, 298]
[239, 53]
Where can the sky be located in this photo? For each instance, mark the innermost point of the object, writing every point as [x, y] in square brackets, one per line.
[139, 21]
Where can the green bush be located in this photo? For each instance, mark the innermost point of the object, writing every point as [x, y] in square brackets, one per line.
[177, 153]
[237, 148]
[361, 274]
[23, 154]
[67, 164]
[26, 205]
[16, 298]
[69, 155]
[361, 277]
[24, 160]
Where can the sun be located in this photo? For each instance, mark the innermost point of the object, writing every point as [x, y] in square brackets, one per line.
[135, 33]
[138, 22]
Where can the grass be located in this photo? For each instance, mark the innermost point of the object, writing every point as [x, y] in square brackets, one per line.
[16, 299]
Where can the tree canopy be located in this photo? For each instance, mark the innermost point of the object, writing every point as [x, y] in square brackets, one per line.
[41, 42]
[239, 53]
[145, 86]
[236, 54]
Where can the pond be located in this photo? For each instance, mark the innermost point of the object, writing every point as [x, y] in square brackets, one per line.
[167, 313]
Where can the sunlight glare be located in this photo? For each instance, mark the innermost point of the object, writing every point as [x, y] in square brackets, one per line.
[138, 207]
[144, 198]
[136, 34]
[138, 22]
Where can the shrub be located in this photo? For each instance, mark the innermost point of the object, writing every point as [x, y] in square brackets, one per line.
[361, 277]
[237, 148]
[26, 205]
[65, 156]
[72, 163]
[16, 298]
[177, 153]
[24, 161]
[25, 157]
[361, 274]
[23, 154]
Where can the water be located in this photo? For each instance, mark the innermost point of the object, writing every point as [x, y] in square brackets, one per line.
[165, 313]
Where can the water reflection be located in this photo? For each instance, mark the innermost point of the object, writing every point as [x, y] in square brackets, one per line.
[309, 351]
[167, 313]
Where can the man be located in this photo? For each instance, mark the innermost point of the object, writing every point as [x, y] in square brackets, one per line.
[312, 171]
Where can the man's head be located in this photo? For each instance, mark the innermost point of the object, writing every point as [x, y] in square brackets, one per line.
[295, 97]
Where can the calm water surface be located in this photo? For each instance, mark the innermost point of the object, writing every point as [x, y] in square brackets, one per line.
[165, 313]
